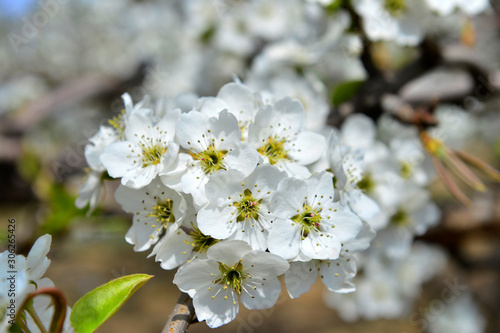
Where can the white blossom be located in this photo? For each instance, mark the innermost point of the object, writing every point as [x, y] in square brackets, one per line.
[308, 221]
[278, 135]
[156, 209]
[147, 150]
[28, 278]
[213, 144]
[232, 271]
[239, 207]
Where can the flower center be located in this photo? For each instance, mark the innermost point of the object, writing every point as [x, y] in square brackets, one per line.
[434, 146]
[232, 277]
[395, 7]
[152, 152]
[406, 170]
[274, 149]
[310, 219]
[366, 184]
[117, 122]
[400, 218]
[163, 212]
[211, 160]
[248, 207]
[201, 242]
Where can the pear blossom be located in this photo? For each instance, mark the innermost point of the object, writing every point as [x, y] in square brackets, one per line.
[157, 209]
[410, 156]
[239, 207]
[213, 144]
[308, 221]
[272, 20]
[412, 216]
[337, 275]
[231, 271]
[347, 165]
[147, 150]
[310, 91]
[349, 152]
[90, 190]
[118, 123]
[278, 135]
[235, 97]
[185, 243]
[182, 245]
[469, 7]
[28, 278]
[387, 286]
[392, 20]
[103, 138]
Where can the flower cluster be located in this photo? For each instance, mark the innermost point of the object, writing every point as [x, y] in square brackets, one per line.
[383, 182]
[250, 184]
[239, 188]
[232, 193]
[406, 22]
[213, 39]
[238, 191]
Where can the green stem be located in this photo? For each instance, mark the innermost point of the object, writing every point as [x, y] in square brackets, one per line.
[24, 327]
[57, 323]
[35, 318]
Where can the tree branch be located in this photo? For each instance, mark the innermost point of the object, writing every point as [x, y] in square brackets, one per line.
[181, 316]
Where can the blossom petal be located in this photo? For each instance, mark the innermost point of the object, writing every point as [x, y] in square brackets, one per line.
[229, 252]
[318, 246]
[216, 311]
[217, 221]
[196, 275]
[263, 264]
[284, 239]
[300, 277]
[261, 294]
[337, 274]
[173, 250]
[347, 225]
[306, 148]
[37, 261]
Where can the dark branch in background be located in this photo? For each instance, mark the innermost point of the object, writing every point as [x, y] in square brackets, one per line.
[76, 90]
[79, 89]
[368, 99]
[430, 58]
[453, 240]
[366, 56]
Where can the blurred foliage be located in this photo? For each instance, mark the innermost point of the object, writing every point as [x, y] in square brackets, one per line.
[61, 210]
[344, 91]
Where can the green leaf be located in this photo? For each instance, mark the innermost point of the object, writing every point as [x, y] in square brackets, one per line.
[344, 91]
[97, 306]
[497, 148]
[15, 328]
[334, 6]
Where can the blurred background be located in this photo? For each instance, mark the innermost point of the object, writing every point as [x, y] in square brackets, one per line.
[64, 65]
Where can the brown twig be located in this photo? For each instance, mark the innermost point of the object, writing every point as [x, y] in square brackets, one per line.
[181, 316]
[59, 301]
